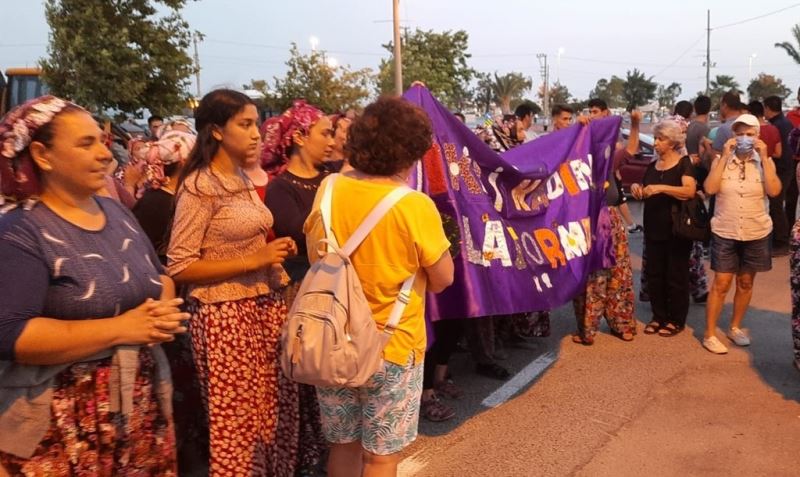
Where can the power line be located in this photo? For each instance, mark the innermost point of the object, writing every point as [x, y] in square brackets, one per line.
[757, 17]
[687, 50]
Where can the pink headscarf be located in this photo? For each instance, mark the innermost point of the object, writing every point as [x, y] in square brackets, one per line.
[172, 147]
[278, 134]
[17, 130]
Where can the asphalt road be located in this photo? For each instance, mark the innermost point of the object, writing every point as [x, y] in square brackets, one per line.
[652, 407]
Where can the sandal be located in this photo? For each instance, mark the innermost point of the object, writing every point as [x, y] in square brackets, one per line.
[492, 370]
[433, 410]
[584, 340]
[652, 328]
[448, 389]
[669, 330]
[624, 336]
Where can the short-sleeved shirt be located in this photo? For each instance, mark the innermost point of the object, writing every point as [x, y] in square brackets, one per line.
[219, 218]
[658, 208]
[290, 198]
[771, 137]
[724, 132]
[410, 237]
[786, 162]
[742, 210]
[52, 268]
[696, 132]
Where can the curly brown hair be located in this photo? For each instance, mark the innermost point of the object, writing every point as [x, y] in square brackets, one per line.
[390, 136]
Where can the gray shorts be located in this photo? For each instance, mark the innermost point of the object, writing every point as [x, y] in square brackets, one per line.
[740, 256]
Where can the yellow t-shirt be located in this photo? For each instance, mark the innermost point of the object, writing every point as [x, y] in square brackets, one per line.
[408, 238]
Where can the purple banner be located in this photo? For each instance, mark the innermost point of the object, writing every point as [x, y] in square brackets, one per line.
[527, 226]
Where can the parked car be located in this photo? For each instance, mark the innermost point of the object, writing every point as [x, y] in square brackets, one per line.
[632, 171]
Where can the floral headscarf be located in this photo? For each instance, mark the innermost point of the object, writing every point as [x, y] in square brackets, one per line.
[172, 147]
[278, 134]
[17, 130]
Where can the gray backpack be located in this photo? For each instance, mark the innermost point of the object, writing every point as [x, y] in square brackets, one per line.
[330, 337]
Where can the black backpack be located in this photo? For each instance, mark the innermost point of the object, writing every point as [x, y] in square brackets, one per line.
[690, 220]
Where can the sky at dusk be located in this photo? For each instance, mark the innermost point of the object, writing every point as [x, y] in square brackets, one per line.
[249, 39]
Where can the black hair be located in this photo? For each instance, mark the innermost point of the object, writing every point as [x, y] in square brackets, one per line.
[774, 103]
[702, 105]
[598, 103]
[731, 100]
[215, 109]
[561, 108]
[154, 117]
[523, 110]
[684, 108]
[756, 108]
[460, 115]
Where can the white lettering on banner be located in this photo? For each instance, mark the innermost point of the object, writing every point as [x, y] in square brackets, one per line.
[494, 243]
[531, 249]
[582, 172]
[498, 197]
[555, 187]
[543, 279]
[473, 255]
[573, 240]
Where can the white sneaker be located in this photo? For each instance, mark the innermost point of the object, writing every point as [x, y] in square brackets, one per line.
[738, 336]
[714, 345]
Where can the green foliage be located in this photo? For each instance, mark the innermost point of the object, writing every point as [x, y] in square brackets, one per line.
[610, 91]
[558, 93]
[310, 77]
[639, 90]
[118, 54]
[509, 88]
[767, 85]
[718, 86]
[667, 95]
[437, 59]
[790, 49]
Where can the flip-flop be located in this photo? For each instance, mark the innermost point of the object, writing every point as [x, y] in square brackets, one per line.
[669, 330]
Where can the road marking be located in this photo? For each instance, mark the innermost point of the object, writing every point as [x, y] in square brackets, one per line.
[520, 380]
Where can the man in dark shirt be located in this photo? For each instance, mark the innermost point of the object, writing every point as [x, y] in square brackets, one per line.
[782, 216]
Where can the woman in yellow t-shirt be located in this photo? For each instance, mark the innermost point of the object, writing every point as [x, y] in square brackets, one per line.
[367, 427]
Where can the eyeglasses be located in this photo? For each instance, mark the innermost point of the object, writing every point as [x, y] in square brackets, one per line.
[741, 164]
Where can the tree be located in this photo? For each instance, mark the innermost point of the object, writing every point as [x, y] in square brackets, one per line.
[328, 87]
[509, 87]
[791, 50]
[610, 91]
[638, 90]
[667, 95]
[558, 93]
[437, 59]
[482, 94]
[720, 85]
[120, 54]
[767, 85]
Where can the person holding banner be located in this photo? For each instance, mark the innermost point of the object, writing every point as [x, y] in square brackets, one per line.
[667, 181]
[370, 425]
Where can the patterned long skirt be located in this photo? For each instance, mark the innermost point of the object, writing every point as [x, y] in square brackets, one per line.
[312, 441]
[86, 439]
[794, 273]
[609, 291]
[252, 407]
[698, 277]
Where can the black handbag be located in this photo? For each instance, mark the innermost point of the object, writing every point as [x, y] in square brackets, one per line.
[690, 220]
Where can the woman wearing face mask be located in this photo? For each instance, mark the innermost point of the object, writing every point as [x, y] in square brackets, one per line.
[742, 178]
[667, 181]
[219, 250]
[297, 142]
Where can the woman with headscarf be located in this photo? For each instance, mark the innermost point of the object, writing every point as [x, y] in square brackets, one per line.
[296, 144]
[219, 249]
[667, 181]
[337, 160]
[84, 384]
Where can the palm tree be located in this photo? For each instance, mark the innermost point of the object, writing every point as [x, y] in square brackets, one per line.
[509, 87]
[791, 50]
[724, 83]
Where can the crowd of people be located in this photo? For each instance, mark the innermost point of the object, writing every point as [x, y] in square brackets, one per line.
[140, 331]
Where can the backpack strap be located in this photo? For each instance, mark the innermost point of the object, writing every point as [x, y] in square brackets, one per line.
[400, 305]
[325, 209]
[375, 215]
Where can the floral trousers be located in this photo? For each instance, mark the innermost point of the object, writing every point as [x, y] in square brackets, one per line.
[794, 275]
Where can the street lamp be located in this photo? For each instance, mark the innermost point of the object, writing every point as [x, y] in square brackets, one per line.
[561, 51]
[314, 42]
[332, 62]
[750, 66]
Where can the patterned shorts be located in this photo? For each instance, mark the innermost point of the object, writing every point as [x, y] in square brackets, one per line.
[383, 414]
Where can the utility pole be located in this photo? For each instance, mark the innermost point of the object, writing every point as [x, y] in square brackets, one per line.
[195, 37]
[398, 60]
[545, 72]
[708, 51]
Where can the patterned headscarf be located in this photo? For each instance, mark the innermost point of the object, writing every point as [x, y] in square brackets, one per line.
[172, 147]
[278, 134]
[17, 130]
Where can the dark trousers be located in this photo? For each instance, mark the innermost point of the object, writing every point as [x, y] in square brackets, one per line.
[668, 279]
[446, 336]
[481, 338]
[778, 211]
